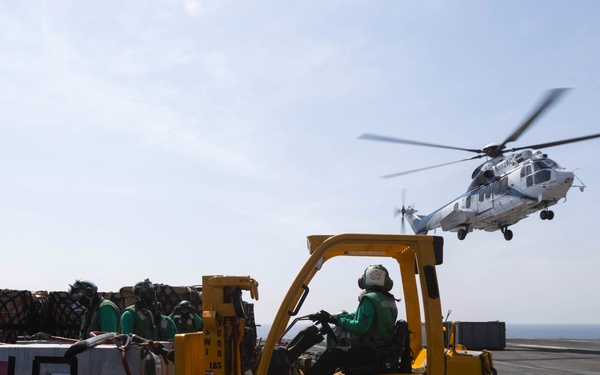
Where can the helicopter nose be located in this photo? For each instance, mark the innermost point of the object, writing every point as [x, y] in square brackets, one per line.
[565, 178]
[559, 185]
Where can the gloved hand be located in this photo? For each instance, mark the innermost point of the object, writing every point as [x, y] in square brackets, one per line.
[327, 317]
[333, 319]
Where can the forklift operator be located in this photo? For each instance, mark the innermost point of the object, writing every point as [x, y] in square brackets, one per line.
[372, 326]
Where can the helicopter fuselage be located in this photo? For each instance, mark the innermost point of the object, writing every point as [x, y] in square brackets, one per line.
[504, 191]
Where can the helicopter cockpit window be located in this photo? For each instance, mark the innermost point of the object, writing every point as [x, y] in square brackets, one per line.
[542, 176]
[539, 165]
[541, 170]
[468, 202]
[526, 170]
[526, 173]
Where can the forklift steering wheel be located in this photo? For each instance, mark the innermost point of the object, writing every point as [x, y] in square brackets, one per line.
[326, 329]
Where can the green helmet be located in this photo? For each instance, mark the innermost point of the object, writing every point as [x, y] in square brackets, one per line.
[376, 277]
[144, 290]
[82, 288]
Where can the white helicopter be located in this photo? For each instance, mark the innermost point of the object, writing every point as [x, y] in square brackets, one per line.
[505, 189]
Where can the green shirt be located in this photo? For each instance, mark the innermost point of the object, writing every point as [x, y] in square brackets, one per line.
[103, 317]
[189, 323]
[134, 320]
[166, 329]
[359, 322]
[373, 324]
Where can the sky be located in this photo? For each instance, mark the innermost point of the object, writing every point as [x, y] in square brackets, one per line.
[175, 139]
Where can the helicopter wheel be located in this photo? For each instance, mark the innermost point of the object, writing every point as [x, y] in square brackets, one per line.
[462, 234]
[508, 234]
[547, 215]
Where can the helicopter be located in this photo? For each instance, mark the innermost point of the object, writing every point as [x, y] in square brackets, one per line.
[510, 185]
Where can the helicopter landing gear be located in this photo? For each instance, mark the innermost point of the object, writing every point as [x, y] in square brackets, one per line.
[462, 234]
[546, 215]
[508, 234]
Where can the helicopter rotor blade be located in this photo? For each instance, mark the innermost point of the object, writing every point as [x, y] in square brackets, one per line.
[381, 138]
[398, 211]
[431, 167]
[558, 143]
[549, 100]
[402, 225]
[403, 192]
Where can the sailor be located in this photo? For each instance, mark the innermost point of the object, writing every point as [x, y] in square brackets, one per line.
[101, 314]
[165, 327]
[372, 326]
[185, 318]
[138, 318]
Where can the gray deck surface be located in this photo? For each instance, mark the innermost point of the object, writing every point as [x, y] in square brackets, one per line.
[548, 356]
[543, 356]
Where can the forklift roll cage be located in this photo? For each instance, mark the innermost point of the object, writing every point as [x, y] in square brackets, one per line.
[415, 255]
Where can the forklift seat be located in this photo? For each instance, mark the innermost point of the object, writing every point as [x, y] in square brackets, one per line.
[392, 359]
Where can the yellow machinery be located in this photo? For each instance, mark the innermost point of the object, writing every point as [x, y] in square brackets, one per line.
[216, 350]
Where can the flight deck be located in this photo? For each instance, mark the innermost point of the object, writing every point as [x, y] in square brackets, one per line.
[548, 357]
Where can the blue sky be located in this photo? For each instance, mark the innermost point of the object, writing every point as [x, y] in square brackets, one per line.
[175, 139]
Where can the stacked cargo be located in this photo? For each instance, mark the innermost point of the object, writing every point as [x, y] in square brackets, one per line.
[24, 313]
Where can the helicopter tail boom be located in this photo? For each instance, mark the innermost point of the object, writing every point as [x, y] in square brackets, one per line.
[418, 223]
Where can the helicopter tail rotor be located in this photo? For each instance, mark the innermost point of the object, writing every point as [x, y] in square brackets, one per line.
[402, 211]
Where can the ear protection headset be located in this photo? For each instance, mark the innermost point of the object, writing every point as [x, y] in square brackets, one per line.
[89, 292]
[376, 277]
[139, 288]
[88, 288]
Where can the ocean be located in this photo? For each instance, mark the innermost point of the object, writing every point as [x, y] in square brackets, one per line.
[552, 331]
[513, 331]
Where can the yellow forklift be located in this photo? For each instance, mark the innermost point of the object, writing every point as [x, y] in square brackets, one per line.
[217, 350]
